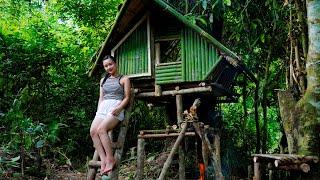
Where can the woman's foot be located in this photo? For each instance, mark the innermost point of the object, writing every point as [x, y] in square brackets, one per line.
[109, 166]
[102, 166]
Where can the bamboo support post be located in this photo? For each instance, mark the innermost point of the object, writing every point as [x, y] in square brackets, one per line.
[92, 171]
[270, 174]
[205, 156]
[140, 158]
[157, 88]
[182, 169]
[256, 167]
[174, 149]
[179, 108]
[217, 151]
[217, 167]
[182, 174]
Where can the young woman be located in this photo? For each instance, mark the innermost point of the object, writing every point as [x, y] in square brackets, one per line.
[114, 97]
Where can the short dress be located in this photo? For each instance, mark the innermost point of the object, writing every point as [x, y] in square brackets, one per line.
[113, 94]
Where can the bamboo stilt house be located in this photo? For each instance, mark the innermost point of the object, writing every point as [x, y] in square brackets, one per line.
[164, 53]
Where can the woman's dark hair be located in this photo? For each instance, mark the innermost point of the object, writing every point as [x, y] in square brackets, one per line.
[107, 75]
[109, 57]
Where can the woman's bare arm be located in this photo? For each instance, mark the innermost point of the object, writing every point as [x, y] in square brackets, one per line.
[101, 93]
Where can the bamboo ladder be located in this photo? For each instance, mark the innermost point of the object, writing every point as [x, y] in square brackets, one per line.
[117, 147]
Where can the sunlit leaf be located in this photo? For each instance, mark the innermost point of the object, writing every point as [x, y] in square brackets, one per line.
[227, 2]
[15, 159]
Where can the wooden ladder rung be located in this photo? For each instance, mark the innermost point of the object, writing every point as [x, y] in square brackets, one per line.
[94, 164]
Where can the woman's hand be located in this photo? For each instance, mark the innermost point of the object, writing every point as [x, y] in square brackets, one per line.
[116, 111]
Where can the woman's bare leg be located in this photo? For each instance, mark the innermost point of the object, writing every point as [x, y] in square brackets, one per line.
[96, 141]
[107, 125]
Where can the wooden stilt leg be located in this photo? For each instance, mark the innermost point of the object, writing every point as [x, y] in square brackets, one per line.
[256, 169]
[217, 152]
[92, 171]
[182, 174]
[140, 158]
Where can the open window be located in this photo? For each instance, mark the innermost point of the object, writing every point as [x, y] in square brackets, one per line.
[170, 50]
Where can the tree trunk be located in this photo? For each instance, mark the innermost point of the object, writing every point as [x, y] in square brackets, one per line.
[290, 126]
[301, 120]
[309, 129]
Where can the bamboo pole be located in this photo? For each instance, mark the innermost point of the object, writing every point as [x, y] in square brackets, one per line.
[205, 156]
[140, 158]
[182, 169]
[217, 167]
[157, 88]
[256, 167]
[270, 174]
[217, 151]
[92, 171]
[175, 92]
[182, 174]
[94, 164]
[174, 149]
[159, 131]
[179, 107]
[165, 135]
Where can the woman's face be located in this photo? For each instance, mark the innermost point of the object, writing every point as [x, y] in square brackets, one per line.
[110, 66]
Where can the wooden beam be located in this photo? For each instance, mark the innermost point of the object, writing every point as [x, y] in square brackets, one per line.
[175, 92]
[92, 171]
[165, 135]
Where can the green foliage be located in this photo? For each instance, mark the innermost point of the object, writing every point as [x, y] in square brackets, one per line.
[47, 100]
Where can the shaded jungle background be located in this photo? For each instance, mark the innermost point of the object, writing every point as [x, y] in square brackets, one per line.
[47, 100]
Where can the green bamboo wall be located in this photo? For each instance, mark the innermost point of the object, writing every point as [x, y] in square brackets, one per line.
[169, 73]
[132, 54]
[199, 56]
